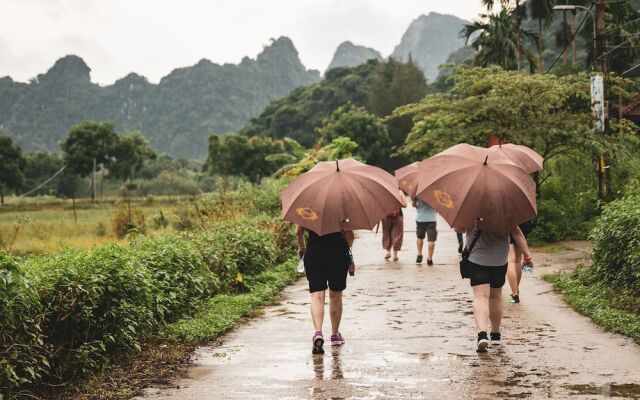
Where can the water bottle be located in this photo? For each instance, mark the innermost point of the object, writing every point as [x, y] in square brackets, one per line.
[300, 267]
[527, 268]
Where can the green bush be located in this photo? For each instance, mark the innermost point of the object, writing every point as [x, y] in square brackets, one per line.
[23, 359]
[564, 214]
[94, 303]
[616, 243]
[181, 278]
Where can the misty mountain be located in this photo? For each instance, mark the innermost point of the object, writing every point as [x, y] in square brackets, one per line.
[177, 115]
[349, 55]
[429, 40]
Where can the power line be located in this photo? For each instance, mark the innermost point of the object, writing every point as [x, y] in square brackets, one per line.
[45, 182]
[566, 45]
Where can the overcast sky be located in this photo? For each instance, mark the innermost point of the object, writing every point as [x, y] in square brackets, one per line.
[152, 37]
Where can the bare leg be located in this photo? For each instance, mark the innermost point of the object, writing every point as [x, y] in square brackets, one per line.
[335, 310]
[419, 243]
[317, 309]
[514, 272]
[430, 247]
[481, 306]
[495, 308]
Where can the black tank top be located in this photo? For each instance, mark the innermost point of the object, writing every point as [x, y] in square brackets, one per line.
[330, 246]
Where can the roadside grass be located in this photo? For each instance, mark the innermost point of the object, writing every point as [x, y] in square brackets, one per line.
[552, 248]
[167, 355]
[609, 307]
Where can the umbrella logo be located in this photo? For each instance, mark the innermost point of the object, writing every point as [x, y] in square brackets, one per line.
[307, 213]
[443, 198]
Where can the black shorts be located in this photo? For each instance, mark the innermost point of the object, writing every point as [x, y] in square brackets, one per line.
[494, 276]
[326, 272]
[429, 228]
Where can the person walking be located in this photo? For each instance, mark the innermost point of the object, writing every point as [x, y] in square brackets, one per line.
[425, 225]
[393, 231]
[514, 270]
[488, 258]
[327, 261]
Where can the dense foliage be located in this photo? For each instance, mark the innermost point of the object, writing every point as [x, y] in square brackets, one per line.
[616, 244]
[178, 114]
[378, 87]
[12, 164]
[63, 315]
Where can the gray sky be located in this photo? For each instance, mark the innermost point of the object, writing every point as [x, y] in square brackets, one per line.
[152, 37]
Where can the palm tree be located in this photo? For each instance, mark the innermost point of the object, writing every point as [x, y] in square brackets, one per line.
[518, 11]
[542, 10]
[495, 39]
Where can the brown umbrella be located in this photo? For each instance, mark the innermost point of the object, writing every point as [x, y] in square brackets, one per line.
[340, 195]
[408, 178]
[524, 157]
[473, 187]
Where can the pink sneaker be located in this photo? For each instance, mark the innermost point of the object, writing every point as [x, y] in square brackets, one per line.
[337, 339]
[318, 342]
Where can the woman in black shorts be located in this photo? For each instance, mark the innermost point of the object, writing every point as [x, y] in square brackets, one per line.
[488, 260]
[326, 264]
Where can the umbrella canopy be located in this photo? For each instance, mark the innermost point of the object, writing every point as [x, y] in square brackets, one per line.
[340, 195]
[408, 178]
[524, 157]
[473, 187]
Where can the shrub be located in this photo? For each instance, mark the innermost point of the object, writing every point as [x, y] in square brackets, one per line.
[616, 243]
[94, 303]
[23, 359]
[181, 278]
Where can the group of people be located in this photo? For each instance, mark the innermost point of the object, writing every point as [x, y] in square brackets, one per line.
[493, 259]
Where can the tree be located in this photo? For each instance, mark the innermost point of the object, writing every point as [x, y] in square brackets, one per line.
[551, 114]
[12, 165]
[241, 156]
[542, 10]
[88, 145]
[496, 39]
[339, 148]
[41, 166]
[355, 123]
[130, 151]
[395, 84]
[518, 11]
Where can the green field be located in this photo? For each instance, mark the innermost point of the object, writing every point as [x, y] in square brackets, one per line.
[38, 226]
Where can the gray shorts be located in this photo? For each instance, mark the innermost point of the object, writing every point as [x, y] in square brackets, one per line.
[428, 228]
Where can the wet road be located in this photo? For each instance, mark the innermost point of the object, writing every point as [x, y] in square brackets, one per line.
[409, 332]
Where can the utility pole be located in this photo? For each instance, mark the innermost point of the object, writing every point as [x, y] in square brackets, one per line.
[604, 169]
[573, 37]
[93, 182]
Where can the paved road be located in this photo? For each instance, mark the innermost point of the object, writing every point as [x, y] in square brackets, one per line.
[409, 332]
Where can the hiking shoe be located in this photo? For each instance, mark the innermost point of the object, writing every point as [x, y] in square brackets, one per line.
[483, 342]
[387, 256]
[395, 258]
[429, 262]
[337, 339]
[318, 342]
[495, 338]
[513, 298]
[419, 260]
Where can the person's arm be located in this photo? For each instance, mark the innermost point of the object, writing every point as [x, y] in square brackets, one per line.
[403, 201]
[300, 239]
[350, 237]
[521, 242]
